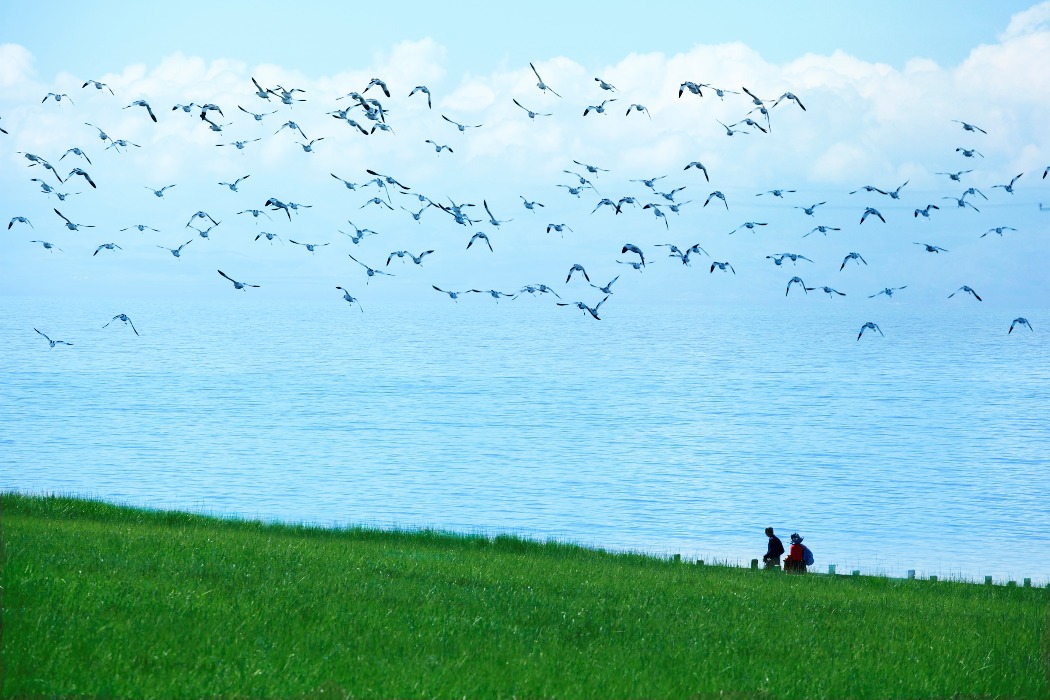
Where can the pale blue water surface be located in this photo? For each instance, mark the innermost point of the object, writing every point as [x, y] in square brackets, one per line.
[670, 429]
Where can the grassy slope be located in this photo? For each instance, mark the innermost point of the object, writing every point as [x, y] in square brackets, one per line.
[100, 600]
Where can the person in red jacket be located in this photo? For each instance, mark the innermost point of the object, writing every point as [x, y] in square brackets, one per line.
[795, 562]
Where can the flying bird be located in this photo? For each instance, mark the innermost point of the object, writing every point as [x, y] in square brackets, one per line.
[237, 285]
[969, 127]
[177, 252]
[597, 109]
[969, 152]
[799, 282]
[869, 212]
[852, 256]
[541, 85]
[719, 195]
[1019, 321]
[827, 290]
[605, 86]
[256, 117]
[370, 271]
[697, 164]
[480, 236]
[932, 248]
[53, 343]
[461, 127]
[423, 89]
[888, 291]
[577, 268]
[106, 246]
[97, 85]
[143, 103]
[1009, 188]
[925, 211]
[20, 220]
[532, 115]
[586, 309]
[70, 225]
[233, 185]
[998, 229]
[873, 326]
[635, 107]
[721, 266]
[309, 246]
[968, 289]
[125, 319]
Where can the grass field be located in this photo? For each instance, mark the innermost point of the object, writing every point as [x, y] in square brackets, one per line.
[106, 601]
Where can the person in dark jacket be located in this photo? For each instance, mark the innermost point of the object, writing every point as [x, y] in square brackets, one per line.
[796, 560]
[774, 550]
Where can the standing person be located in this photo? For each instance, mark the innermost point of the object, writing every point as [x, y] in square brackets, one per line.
[796, 560]
[774, 550]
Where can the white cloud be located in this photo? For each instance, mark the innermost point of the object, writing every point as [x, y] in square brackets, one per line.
[1034, 19]
[16, 65]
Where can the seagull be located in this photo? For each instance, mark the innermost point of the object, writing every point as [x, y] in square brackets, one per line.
[371, 272]
[204, 232]
[799, 282]
[961, 201]
[492, 293]
[98, 85]
[542, 85]
[269, 236]
[417, 259]
[359, 233]
[53, 343]
[957, 175]
[70, 225]
[278, 204]
[631, 247]
[932, 248]
[925, 211]
[374, 200]
[233, 185]
[718, 194]
[756, 100]
[650, 181]
[106, 246]
[262, 92]
[287, 96]
[121, 143]
[493, 220]
[238, 144]
[896, 194]
[575, 190]
[669, 196]
[780, 193]
[482, 236]
[607, 289]
[461, 127]
[423, 89]
[1009, 188]
[382, 85]
[125, 319]
[998, 229]
[751, 122]
[598, 109]
[827, 290]
[58, 98]
[101, 134]
[721, 266]
[530, 205]
[871, 210]
[970, 127]
[871, 325]
[48, 246]
[605, 86]
[748, 225]
[699, 165]
[349, 185]
[793, 257]
[969, 152]
[177, 252]
[202, 215]
[236, 285]
[606, 202]
[888, 291]
[868, 188]
[852, 256]
[454, 296]
[309, 147]
[577, 268]
[257, 117]
[968, 289]
[635, 107]
[254, 212]
[439, 148]
[583, 307]
[350, 299]
[809, 210]
[417, 214]
[1022, 321]
[291, 125]
[541, 288]
[692, 87]
[309, 246]
[592, 169]
[20, 220]
[730, 131]
[791, 97]
[77, 152]
[658, 212]
[532, 115]
[83, 174]
[143, 103]
[822, 229]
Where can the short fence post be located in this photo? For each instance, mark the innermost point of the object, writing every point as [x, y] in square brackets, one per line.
[934, 579]
[856, 572]
[678, 558]
[987, 580]
[1011, 583]
[754, 563]
[911, 573]
[831, 569]
[699, 562]
[1028, 583]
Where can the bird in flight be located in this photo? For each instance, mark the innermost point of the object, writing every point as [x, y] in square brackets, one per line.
[932, 248]
[970, 127]
[49, 247]
[125, 319]
[635, 107]
[1019, 321]
[309, 246]
[799, 282]
[83, 174]
[956, 176]
[106, 246]
[97, 85]
[53, 343]
[969, 152]
[822, 229]
[531, 206]
[70, 225]
[438, 148]
[461, 127]
[177, 252]
[827, 290]
[57, 98]
[871, 211]
[577, 268]
[852, 256]
[237, 285]
[480, 236]
[925, 211]
[697, 164]
[532, 115]
[968, 289]
[454, 296]
[603, 85]
[888, 291]
[1010, 187]
[721, 266]
[371, 272]
[143, 103]
[719, 195]
[873, 326]
[20, 220]
[233, 185]
[998, 229]
[597, 109]
[542, 85]
[423, 89]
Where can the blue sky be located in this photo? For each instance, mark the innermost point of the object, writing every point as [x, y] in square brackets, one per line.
[882, 86]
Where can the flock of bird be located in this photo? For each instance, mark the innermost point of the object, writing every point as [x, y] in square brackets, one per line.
[365, 114]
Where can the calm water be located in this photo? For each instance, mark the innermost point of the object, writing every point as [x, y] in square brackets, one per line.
[662, 429]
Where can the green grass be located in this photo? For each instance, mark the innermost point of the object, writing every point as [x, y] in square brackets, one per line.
[102, 601]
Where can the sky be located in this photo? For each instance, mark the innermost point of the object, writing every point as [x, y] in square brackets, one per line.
[885, 90]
